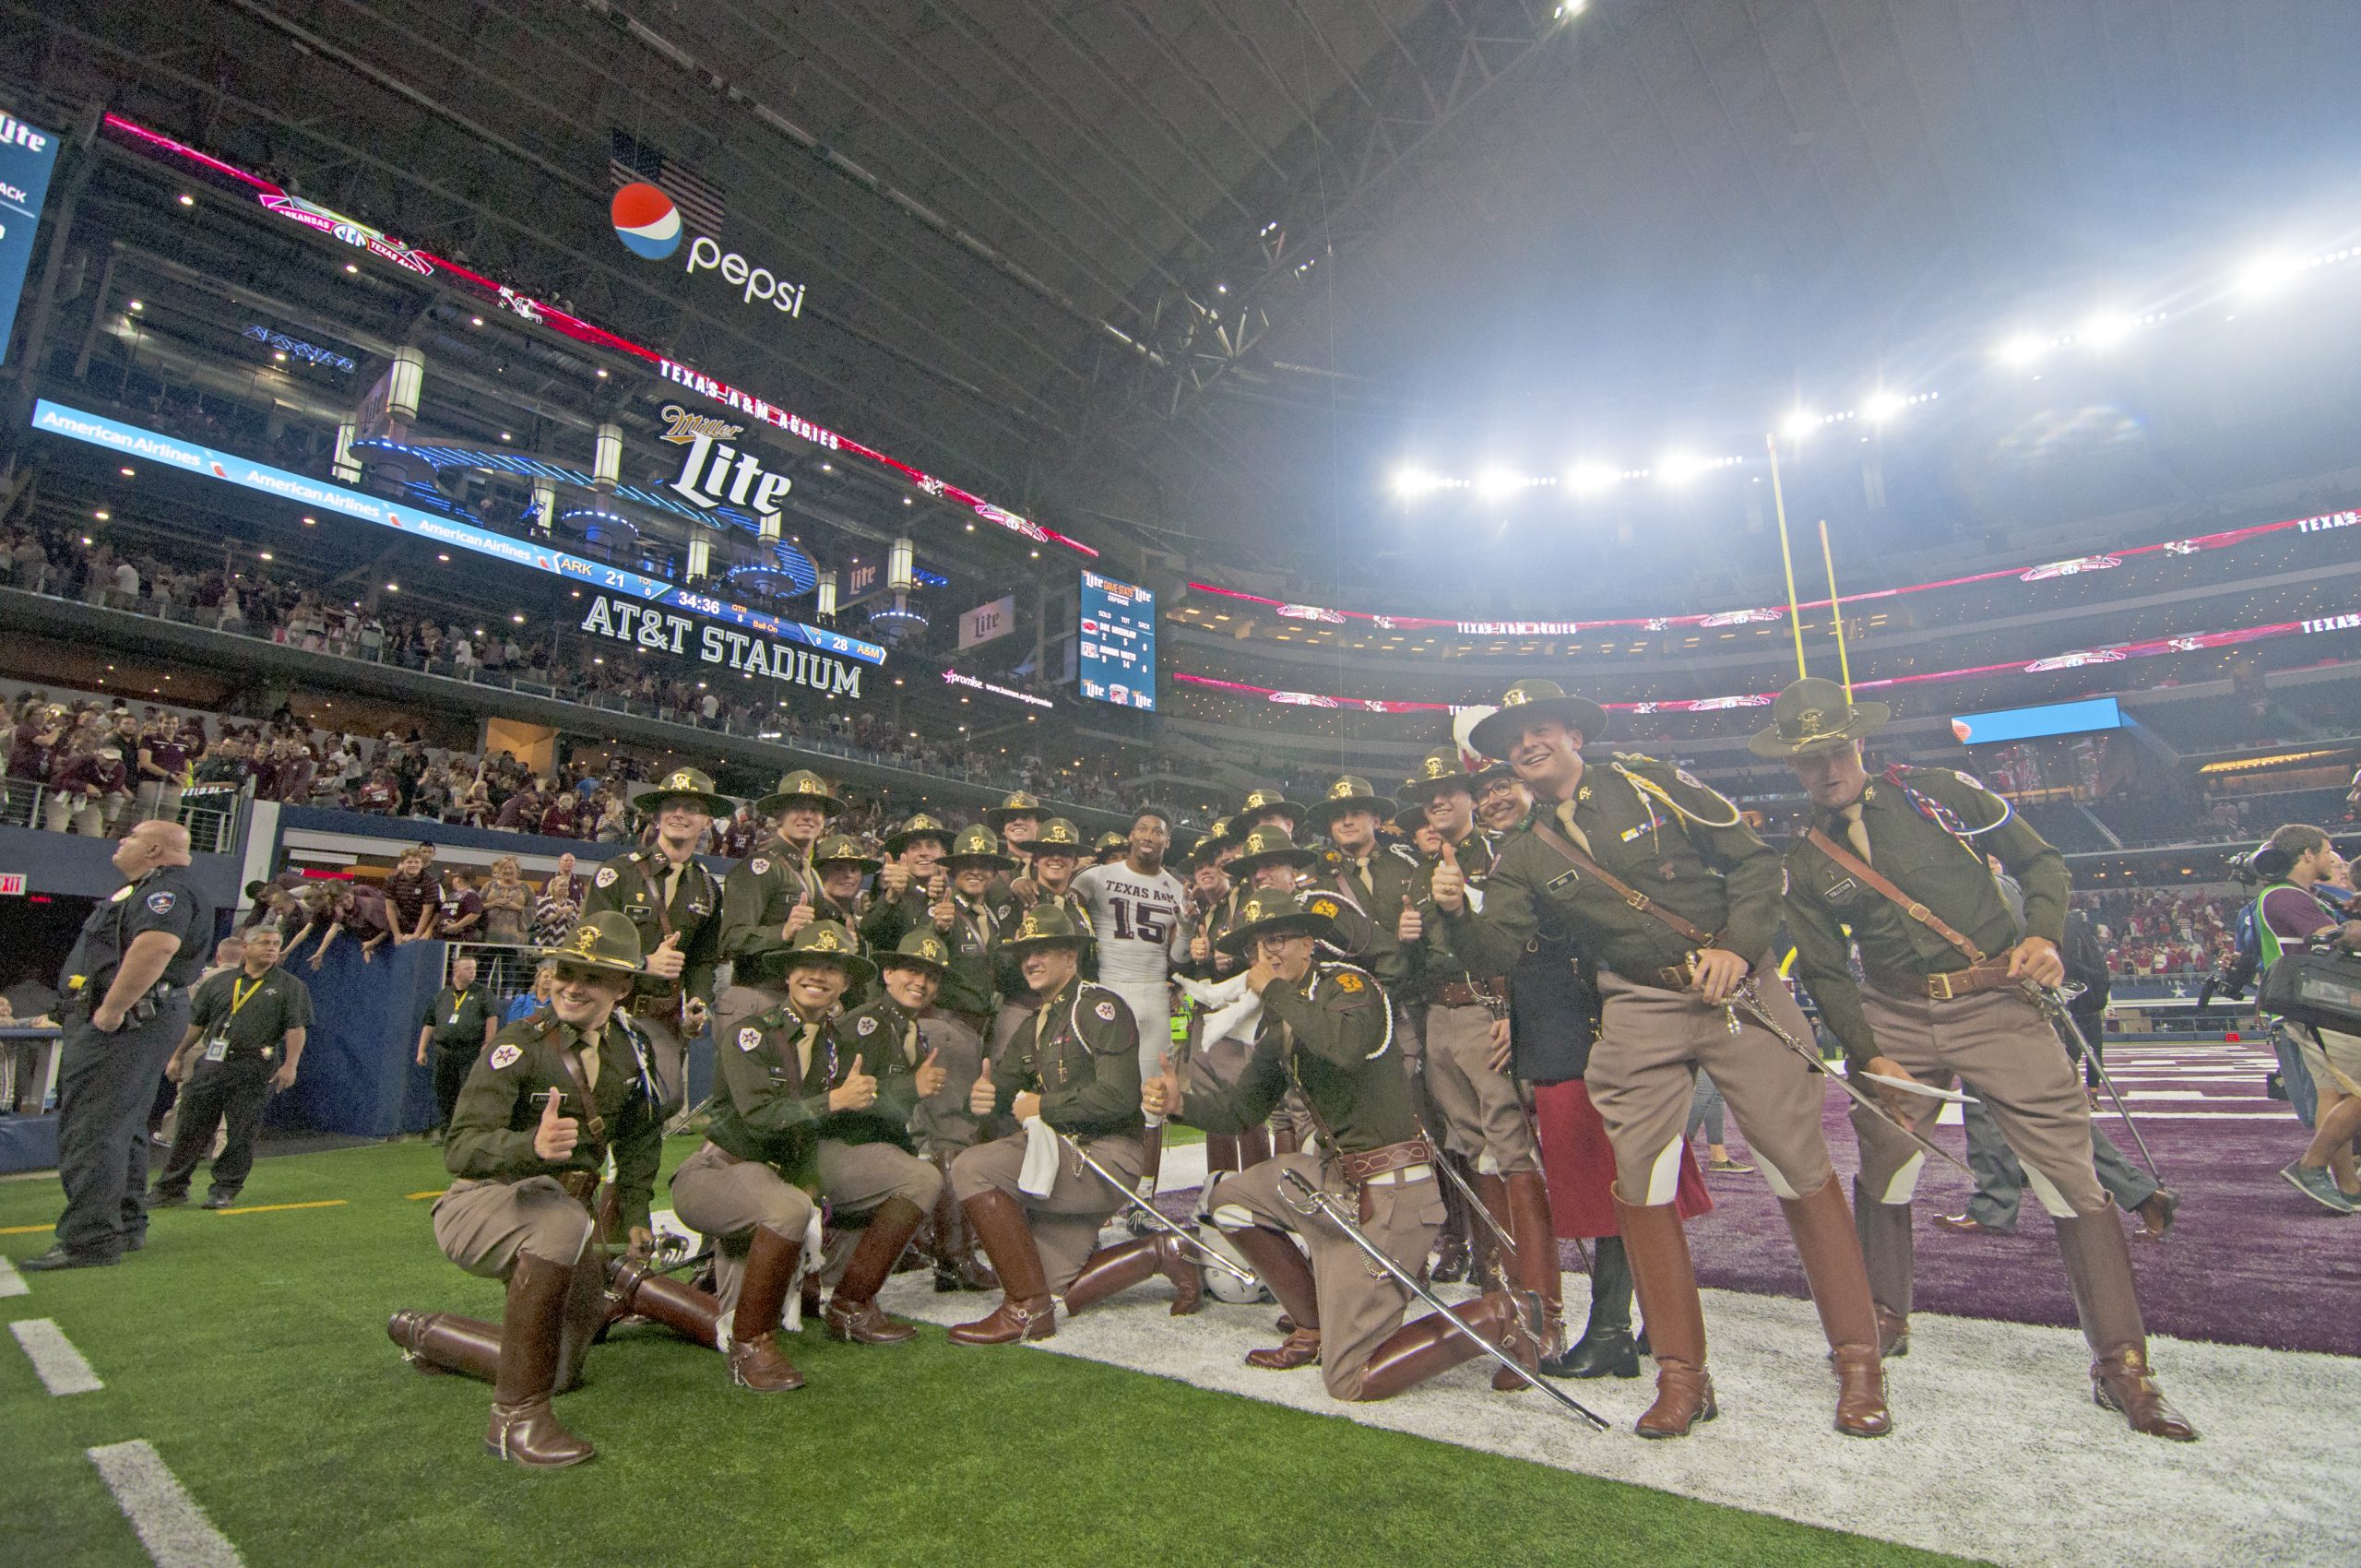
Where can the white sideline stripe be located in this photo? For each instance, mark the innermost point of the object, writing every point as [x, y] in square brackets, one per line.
[170, 1525]
[11, 1282]
[59, 1366]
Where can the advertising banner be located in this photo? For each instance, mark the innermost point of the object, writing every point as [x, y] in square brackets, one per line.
[28, 154]
[987, 622]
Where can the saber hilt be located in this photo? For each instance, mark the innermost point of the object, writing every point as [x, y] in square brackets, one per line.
[1155, 1216]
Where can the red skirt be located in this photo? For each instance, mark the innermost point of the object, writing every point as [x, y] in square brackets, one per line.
[1580, 1166]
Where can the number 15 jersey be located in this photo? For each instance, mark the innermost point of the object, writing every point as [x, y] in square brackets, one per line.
[1138, 920]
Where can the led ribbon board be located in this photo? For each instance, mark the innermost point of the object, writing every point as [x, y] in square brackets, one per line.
[189, 457]
[2034, 723]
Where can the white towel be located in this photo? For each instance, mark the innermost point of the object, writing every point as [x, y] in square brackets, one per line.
[1040, 1172]
[1231, 1009]
[813, 1256]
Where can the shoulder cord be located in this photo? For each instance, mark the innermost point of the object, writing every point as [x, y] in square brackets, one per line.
[1648, 787]
[1383, 1001]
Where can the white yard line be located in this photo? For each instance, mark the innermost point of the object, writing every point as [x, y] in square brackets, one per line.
[11, 1282]
[170, 1525]
[59, 1366]
[1998, 1451]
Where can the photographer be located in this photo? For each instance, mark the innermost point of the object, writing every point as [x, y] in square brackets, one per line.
[2290, 910]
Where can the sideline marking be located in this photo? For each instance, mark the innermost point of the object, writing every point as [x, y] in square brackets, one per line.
[413, 1198]
[59, 1366]
[28, 1229]
[275, 1208]
[170, 1525]
[11, 1282]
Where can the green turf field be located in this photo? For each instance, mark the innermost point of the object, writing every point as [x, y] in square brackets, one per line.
[250, 1349]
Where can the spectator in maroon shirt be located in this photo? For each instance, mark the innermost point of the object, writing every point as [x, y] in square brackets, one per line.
[89, 791]
[34, 740]
[462, 908]
[353, 908]
[163, 768]
[379, 795]
[522, 811]
[416, 897]
[557, 817]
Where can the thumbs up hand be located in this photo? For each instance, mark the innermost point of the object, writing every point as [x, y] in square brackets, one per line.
[668, 960]
[800, 916]
[932, 1074]
[984, 1097]
[1450, 883]
[554, 1139]
[1160, 1096]
[1412, 926]
[858, 1092]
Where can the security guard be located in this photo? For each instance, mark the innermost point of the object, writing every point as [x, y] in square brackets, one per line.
[1661, 882]
[556, 1094]
[1896, 867]
[249, 1024]
[459, 1026]
[1076, 1074]
[769, 896]
[1326, 1029]
[811, 1114]
[675, 903]
[125, 1011]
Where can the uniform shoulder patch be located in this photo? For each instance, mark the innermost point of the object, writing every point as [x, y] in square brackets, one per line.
[1326, 908]
[504, 1056]
[1106, 1011]
[161, 903]
[1971, 781]
[1687, 777]
[1347, 981]
[867, 1027]
[749, 1038]
[606, 877]
[759, 866]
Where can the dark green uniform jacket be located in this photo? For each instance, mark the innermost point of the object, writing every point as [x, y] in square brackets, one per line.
[1933, 865]
[491, 1137]
[1431, 962]
[779, 1070]
[755, 898]
[1081, 1054]
[1334, 1037]
[628, 884]
[1370, 942]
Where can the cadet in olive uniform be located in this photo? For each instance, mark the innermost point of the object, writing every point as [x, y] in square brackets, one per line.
[1373, 876]
[811, 1114]
[675, 903]
[245, 1034]
[1109, 847]
[459, 1027]
[913, 885]
[970, 986]
[1899, 862]
[1049, 883]
[841, 865]
[1017, 819]
[1075, 1071]
[769, 896]
[127, 1008]
[1327, 1029]
[1662, 882]
[556, 1094]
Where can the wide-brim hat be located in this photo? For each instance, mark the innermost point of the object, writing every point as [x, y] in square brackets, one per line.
[841, 849]
[684, 781]
[1270, 798]
[1814, 714]
[978, 847]
[1045, 925]
[1348, 794]
[1121, 843]
[1211, 842]
[1272, 845]
[825, 942]
[1015, 803]
[801, 787]
[1438, 770]
[920, 949]
[1058, 834]
[1269, 913]
[604, 941]
[1494, 734]
[919, 827]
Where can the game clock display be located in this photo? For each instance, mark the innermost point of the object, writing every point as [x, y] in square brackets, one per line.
[1116, 662]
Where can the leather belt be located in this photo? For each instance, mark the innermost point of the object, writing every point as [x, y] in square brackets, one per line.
[1679, 977]
[652, 1005]
[1945, 984]
[1459, 993]
[1422, 1172]
[1369, 1165]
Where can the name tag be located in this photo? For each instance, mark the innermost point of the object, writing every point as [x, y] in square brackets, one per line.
[217, 1048]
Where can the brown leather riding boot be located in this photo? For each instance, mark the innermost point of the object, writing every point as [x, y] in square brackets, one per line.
[853, 1313]
[523, 1427]
[1283, 1140]
[1536, 1271]
[1126, 1264]
[1455, 1257]
[688, 1312]
[756, 1359]
[1221, 1154]
[1488, 1268]
[445, 1342]
[1025, 1311]
[957, 1265]
[1840, 1289]
[1255, 1145]
[1287, 1274]
[1417, 1351]
[1665, 1281]
[2098, 1267]
[587, 1309]
[1890, 1254]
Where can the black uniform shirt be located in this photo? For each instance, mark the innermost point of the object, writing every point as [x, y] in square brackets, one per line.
[254, 1014]
[458, 1017]
[164, 900]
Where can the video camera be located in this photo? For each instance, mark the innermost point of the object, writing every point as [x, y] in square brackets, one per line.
[2319, 985]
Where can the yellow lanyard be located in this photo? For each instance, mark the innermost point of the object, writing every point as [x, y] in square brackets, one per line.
[238, 999]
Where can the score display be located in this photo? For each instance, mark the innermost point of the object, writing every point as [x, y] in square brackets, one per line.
[1117, 653]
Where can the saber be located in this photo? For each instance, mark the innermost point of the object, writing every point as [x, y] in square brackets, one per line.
[1315, 1201]
[1752, 1000]
[2053, 1003]
[1133, 1198]
[1442, 1162]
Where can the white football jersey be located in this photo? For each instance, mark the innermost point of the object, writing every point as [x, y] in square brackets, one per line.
[1138, 920]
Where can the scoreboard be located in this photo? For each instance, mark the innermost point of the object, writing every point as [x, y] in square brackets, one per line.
[1117, 660]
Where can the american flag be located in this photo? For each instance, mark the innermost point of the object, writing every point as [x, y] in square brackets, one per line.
[702, 203]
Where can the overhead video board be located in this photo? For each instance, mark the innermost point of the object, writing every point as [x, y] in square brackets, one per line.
[1116, 662]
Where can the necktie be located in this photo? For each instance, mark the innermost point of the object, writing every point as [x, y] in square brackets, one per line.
[1360, 875]
[803, 1049]
[588, 1050]
[910, 1043]
[1566, 821]
[1856, 832]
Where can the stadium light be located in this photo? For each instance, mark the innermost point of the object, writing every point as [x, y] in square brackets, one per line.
[2268, 274]
[1882, 405]
[1411, 483]
[2021, 350]
[2109, 327]
[1680, 468]
[1592, 478]
[1799, 425]
[1497, 484]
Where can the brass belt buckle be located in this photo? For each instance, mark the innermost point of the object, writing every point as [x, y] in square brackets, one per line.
[1938, 986]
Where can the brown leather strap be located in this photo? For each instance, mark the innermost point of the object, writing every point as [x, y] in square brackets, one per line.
[1945, 984]
[1894, 895]
[594, 1126]
[1366, 1163]
[1617, 885]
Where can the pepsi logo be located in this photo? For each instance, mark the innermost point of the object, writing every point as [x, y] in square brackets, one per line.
[646, 221]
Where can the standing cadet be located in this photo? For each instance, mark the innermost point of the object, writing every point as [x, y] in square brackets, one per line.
[767, 898]
[1214, 897]
[980, 909]
[251, 1022]
[1074, 1074]
[675, 905]
[1660, 881]
[459, 1026]
[553, 1096]
[810, 1114]
[1376, 877]
[841, 866]
[1139, 913]
[1017, 819]
[913, 886]
[1900, 861]
[125, 1011]
[1461, 1014]
[1327, 1029]
[1049, 883]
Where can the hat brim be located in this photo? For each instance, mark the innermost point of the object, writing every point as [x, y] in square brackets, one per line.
[587, 960]
[1417, 792]
[771, 805]
[1294, 811]
[897, 842]
[1018, 947]
[1302, 922]
[1495, 732]
[993, 860]
[858, 969]
[1323, 812]
[1038, 848]
[1298, 857]
[866, 863]
[899, 960]
[652, 800]
[1001, 816]
[1866, 717]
